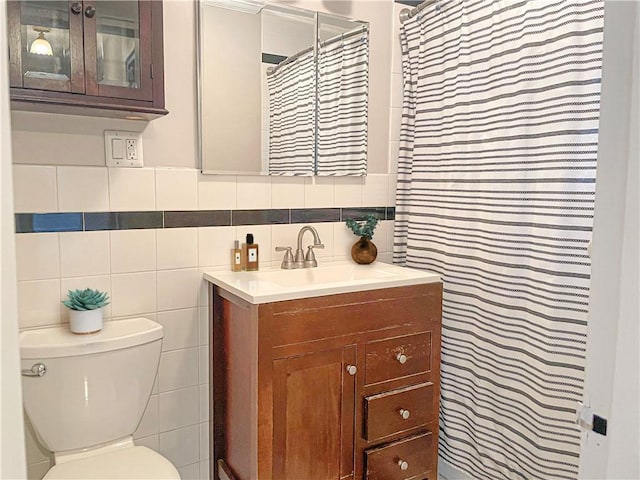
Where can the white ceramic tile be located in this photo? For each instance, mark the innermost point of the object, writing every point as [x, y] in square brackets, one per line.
[204, 470]
[394, 153]
[204, 402]
[203, 364]
[261, 236]
[149, 423]
[390, 235]
[181, 446]
[181, 328]
[37, 256]
[36, 471]
[343, 240]
[253, 192]
[396, 90]
[133, 250]
[325, 231]
[190, 472]
[177, 248]
[178, 369]
[178, 408]
[178, 289]
[176, 189]
[84, 253]
[284, 236]
[83, 189]
[39, 303]
[348, 191]
[132, 189]
[319, 192]
[215, 244]
[204, 440]
[376, 191]
[101, 282]
[396, 119]
[381, 236]
[133, 293]
[203, 286]
[35, 451]
[203, 321]
[150, 442]
[385, 258]
[287, 192]
[216, 192]
[34, 189]
[393, 182]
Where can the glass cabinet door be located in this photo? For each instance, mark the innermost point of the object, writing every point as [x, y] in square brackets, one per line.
[117, 62]
[46, 45]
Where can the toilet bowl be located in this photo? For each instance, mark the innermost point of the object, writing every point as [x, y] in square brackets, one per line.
[85, 396]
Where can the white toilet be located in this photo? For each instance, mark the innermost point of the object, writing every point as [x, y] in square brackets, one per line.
[90, 400]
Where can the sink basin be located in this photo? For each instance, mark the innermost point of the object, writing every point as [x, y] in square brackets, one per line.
[275, 284]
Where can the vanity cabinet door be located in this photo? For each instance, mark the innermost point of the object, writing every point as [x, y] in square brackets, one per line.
[314, 415]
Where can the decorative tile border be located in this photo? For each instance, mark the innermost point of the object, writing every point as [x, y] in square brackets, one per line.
[94, 221]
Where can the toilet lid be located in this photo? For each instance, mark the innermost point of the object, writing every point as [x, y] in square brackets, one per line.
[139, 463]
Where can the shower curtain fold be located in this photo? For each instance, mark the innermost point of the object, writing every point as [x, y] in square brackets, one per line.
[496, 182]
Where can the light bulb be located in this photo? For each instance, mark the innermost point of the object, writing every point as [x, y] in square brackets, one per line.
[41, 46]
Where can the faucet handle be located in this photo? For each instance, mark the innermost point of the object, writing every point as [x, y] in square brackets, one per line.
[310, 258]
[287, 261]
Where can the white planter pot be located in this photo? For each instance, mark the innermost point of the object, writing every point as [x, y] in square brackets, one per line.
[85, 321]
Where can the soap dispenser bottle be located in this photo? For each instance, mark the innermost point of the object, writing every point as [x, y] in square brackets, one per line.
[250, 254]
[236, 257]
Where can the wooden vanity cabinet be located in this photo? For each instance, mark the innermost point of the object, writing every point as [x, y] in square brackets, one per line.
[336, 387]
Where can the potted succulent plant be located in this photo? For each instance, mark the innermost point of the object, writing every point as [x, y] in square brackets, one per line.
[85, 315]
[364, 250]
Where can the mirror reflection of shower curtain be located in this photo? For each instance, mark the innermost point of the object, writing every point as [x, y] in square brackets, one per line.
[343, 83]
[292, 116]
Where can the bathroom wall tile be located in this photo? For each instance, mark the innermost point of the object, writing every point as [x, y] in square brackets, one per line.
[122, 220]
[381, 236]
[34, 189]
[348, 191]
[176, 189]
[315, 215]
[217, 192]
[181, 328]
[393, 182]
[284, 236]
[390, 234]
[181, 446]
[204, 470]
[319, 192]
[203, 364]
[253, 192]
[203, 289]
[133, 250]
[287, 192]
[376, 191]
[395, 123]
[152, 442]
[149, 423]
[204, 440]
[84, 253]
[343, 240]
[132, 189]
[178, 369]
[36, 471]
[215, 244]
[325, 232]
[261, 236]
[39, 303]
[178, 408]
[48, 222]
[260, 217]
[386, 257]
[178, 289]
[394, 155]
[37, 256]
[203, 321]
[204, 402]
[133, 293]
[177, 248]
[396, 90]
[199, 218]
[190, 472]
[84, 189]
[102, 283]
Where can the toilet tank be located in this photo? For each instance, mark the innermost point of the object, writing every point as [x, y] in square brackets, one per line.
[96, 387]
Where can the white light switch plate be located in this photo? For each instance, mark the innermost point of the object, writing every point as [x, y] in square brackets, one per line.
[123, 149]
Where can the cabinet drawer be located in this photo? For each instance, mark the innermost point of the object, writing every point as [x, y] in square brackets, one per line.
[415, 454]
[397, 357]
[399, 410]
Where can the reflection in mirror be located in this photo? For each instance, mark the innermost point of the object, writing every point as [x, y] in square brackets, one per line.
[282, 90]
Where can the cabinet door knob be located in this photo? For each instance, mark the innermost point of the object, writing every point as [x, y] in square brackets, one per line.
[405, 414]
[402, 358]
[403, 465]
[90, 11]
[352, 369]
[76, 8]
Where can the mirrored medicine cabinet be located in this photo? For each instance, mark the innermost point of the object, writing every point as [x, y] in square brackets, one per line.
[282, 90]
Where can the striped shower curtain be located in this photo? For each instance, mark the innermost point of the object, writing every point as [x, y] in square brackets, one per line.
[496, 183]
[292, 115]
[343, 83]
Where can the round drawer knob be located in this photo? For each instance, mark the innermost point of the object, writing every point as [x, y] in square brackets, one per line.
[405, 414]
[352, 369]
[403, 465]
[402, 358]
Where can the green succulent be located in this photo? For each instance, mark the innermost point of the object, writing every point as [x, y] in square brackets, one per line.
[363, 229]
[86, 299]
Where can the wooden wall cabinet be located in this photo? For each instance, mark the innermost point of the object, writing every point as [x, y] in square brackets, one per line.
[336, 387]
[92, 57]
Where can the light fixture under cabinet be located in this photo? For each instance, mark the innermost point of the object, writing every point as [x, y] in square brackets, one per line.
[41, 46]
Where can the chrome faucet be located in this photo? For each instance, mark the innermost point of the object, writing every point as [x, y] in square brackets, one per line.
[301, 260]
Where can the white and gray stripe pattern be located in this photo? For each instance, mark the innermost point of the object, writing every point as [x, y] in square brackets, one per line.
[292, 116]
[343, 83]
[496, 192]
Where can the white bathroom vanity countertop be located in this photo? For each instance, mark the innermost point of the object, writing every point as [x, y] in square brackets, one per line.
[276, 284]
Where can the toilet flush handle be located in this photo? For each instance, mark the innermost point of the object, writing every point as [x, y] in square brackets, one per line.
[37, 370]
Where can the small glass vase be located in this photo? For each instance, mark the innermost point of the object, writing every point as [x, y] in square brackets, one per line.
[364, 251]
[85, 322]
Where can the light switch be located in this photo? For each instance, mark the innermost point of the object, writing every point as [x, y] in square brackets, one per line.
[117, 148]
